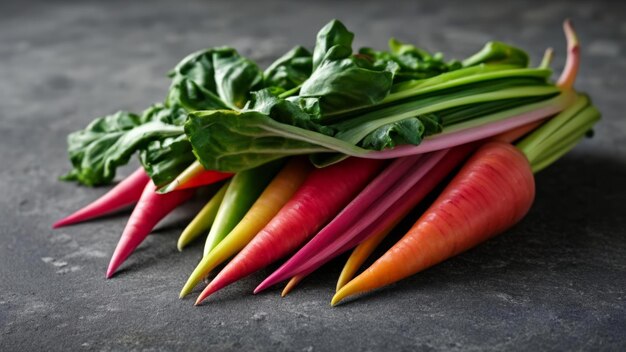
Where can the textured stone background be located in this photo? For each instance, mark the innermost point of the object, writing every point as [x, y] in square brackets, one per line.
[557, 281]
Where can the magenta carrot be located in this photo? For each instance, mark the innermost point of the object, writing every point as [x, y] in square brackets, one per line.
[151, 208]
[322, 195]
[124, 194]
[492, 192]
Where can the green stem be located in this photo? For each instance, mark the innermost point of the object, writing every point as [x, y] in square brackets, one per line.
[460, 80]
[531, 145]
[558, 152]
[444, 82]
[551, 141]
[288, 93]
[354, 130]
[547, 58]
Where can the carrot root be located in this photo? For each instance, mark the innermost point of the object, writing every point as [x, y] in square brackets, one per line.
[126, 193]
[151, 208]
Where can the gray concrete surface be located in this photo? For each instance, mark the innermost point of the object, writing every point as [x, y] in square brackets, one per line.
[557, 281]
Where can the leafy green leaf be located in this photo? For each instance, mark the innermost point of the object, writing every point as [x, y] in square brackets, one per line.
[413, 63]
[108, 142]
[233, 141]
[165, 159]
[236, 76]
[408, 131]
[332, 34]
[296, 111]
[217, 78]
[193, 83]
[344, 84]
[498, 53]
[290, 70]
[340, 80]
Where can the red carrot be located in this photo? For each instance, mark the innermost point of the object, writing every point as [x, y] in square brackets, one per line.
[126, 193]
[492, 192]
[322, 195]
[150, 209]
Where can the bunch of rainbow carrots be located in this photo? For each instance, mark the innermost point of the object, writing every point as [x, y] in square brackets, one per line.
[325, 153]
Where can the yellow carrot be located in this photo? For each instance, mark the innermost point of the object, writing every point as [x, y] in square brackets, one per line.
[202, 222]
[277, 194]
[359, 256]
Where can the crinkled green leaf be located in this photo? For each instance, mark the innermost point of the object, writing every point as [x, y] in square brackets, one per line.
[290, 70]
[408, 131]
[413, 63]
[295, 111]
[236, 76]
[344, 82]
[233, 141]
[217, 78]
[165, 159]
[109, 142]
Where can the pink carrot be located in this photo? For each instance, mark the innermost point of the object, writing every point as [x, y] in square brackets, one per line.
[126, 193]
[150, 209]
[322, 195]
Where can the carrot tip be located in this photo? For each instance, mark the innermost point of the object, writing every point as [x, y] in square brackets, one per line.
[65, 222]
[114, 264]
[260, 288]
[347, 290]
[199, 300]
[209, 290]
[186, 289]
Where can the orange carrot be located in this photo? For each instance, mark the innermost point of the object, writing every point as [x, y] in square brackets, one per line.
[124, 194]
[492, 192]
[322, 195]
[151, 208]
